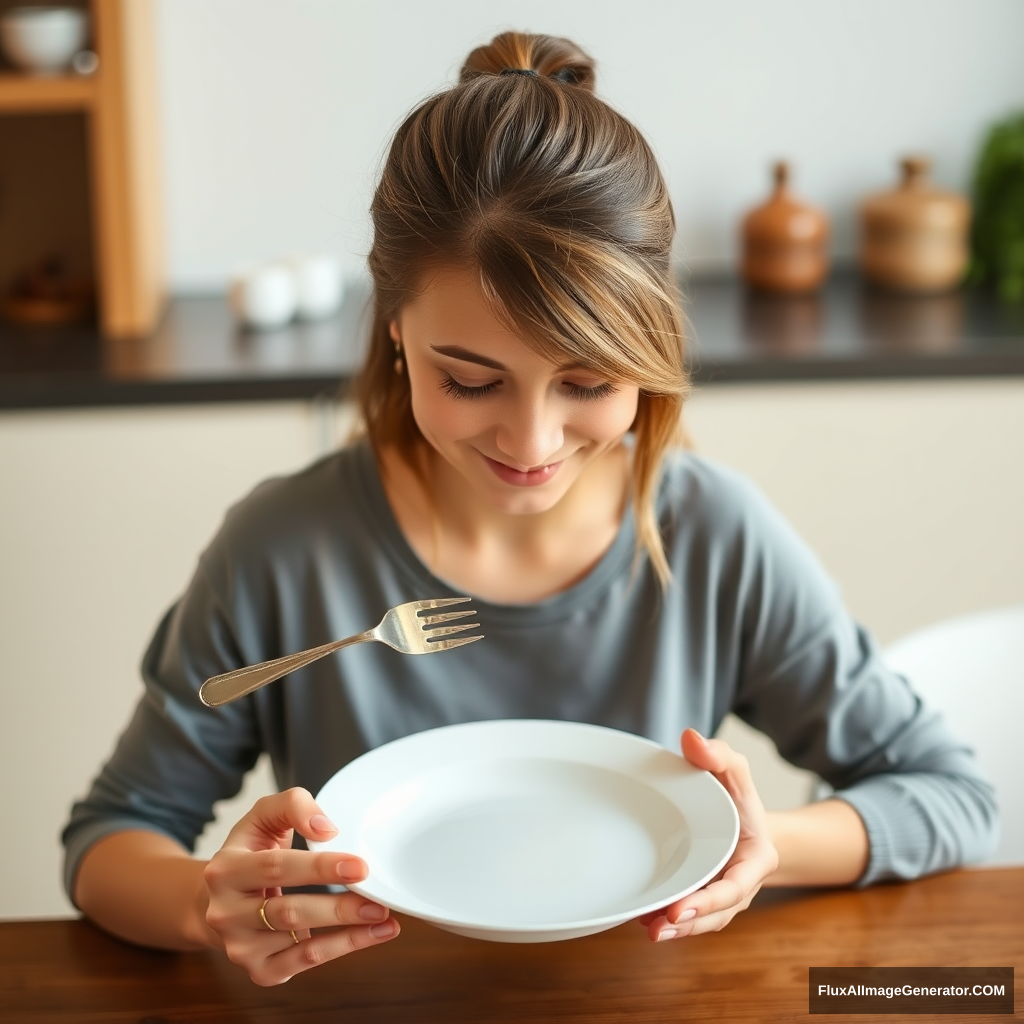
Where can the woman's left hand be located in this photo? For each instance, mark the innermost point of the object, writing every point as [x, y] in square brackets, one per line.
[755, 858]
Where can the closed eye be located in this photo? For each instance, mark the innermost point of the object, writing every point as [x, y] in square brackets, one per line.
[584, 393]
[450, 386]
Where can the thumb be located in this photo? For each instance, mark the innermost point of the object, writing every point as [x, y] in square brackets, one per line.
[710, 755]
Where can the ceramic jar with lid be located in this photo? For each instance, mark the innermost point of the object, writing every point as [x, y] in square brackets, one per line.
[915, 237]
[785, 242]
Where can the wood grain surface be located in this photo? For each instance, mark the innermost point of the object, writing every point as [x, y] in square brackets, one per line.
[756, 969]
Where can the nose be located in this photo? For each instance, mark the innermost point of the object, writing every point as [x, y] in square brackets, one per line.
[531, 435]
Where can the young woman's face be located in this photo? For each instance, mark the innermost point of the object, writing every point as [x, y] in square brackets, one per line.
[518, 429]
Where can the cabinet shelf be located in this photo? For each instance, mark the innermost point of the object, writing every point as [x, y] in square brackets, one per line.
[121, 170]
[31, 94]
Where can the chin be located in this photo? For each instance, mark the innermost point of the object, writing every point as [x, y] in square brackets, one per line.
[528, 504]
[518, 501]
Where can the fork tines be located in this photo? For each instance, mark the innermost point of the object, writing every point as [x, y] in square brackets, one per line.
[435, 632]
[447, 645]
[440, 631]
[437, 602]
[430, 620]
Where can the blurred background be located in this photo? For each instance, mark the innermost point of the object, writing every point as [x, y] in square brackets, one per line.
[182, 147]
[275, 115]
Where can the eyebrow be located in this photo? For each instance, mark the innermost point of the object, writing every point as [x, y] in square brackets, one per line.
[468, 356]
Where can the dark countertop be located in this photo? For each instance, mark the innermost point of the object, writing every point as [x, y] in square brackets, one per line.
[848, 332]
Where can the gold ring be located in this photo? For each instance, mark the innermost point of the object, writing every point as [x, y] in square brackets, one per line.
[263, 914]
[295, 937]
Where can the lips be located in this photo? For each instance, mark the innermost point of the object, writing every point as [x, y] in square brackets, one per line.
[519, 478]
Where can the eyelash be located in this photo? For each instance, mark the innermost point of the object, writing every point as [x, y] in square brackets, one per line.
[598, 391]
[450, 386]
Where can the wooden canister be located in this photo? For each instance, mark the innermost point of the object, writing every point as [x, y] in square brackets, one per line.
[785, 242]
[915, 237]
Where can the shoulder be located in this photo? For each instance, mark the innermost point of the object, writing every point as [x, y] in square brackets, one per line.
[288, 515]
[294, 548]
[708, 493]
[716, 518]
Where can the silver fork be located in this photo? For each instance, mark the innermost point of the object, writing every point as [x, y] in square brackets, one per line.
[404, 628]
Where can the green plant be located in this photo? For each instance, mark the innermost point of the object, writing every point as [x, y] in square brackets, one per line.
[997, 229]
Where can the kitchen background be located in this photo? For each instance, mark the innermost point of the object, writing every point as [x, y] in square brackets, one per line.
[273, 117]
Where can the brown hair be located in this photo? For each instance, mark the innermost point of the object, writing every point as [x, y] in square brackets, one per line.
[558, 202]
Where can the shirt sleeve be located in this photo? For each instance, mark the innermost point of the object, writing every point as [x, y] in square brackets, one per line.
[814, 681]
[176, 757]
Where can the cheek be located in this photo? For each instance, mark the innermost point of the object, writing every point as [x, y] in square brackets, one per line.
[440, 416]
[605, 421]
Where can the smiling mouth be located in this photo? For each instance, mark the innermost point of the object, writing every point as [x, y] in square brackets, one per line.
[522, 478]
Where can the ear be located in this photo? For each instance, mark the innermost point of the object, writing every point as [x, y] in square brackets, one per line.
[396, 337]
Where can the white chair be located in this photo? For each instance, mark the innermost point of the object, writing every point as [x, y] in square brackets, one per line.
[972, 669]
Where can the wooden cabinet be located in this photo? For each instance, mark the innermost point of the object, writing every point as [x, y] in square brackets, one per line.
[118, 103]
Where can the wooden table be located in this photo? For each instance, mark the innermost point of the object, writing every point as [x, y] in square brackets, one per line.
[757, 969]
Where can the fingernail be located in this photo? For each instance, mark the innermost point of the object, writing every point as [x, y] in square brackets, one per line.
[321, 823]
[686, 915]
[372, 912]
[667, 933]
[384, 930]
[351, 869]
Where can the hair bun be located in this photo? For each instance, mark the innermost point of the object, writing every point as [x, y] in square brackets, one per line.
[523, 53]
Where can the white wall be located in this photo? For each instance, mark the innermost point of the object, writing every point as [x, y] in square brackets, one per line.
[911, 492]
[103, 514]
[276, 112]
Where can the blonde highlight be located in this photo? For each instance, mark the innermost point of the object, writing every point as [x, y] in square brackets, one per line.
[557, 202]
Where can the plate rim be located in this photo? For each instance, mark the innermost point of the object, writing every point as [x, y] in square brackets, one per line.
[594, 923]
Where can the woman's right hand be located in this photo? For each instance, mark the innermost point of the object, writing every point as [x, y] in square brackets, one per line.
[302, 930]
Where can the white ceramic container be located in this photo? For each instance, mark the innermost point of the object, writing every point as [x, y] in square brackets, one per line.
[264, 297]
[42, 40]
[318, 285]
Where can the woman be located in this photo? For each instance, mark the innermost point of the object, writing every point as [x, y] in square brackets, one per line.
[522, 399]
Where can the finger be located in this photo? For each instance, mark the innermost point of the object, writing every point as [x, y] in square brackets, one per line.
[736, 887]
[319, 949]
[715, 756]
[661, 929]
[732, 770]
[304, 912]
[273, 818]
[275, 869]
[661, 915]
[689, 906]
[726, 892]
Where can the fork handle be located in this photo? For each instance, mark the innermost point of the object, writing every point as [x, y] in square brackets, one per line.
[238, 682]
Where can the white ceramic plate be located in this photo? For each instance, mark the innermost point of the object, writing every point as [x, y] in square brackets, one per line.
[528, 831]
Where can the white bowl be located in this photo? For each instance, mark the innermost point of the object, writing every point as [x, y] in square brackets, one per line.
[528, 831]
[42, 40]
[318, 285]
[263, 297]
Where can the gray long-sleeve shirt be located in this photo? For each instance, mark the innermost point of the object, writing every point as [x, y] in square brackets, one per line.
[751, 624]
